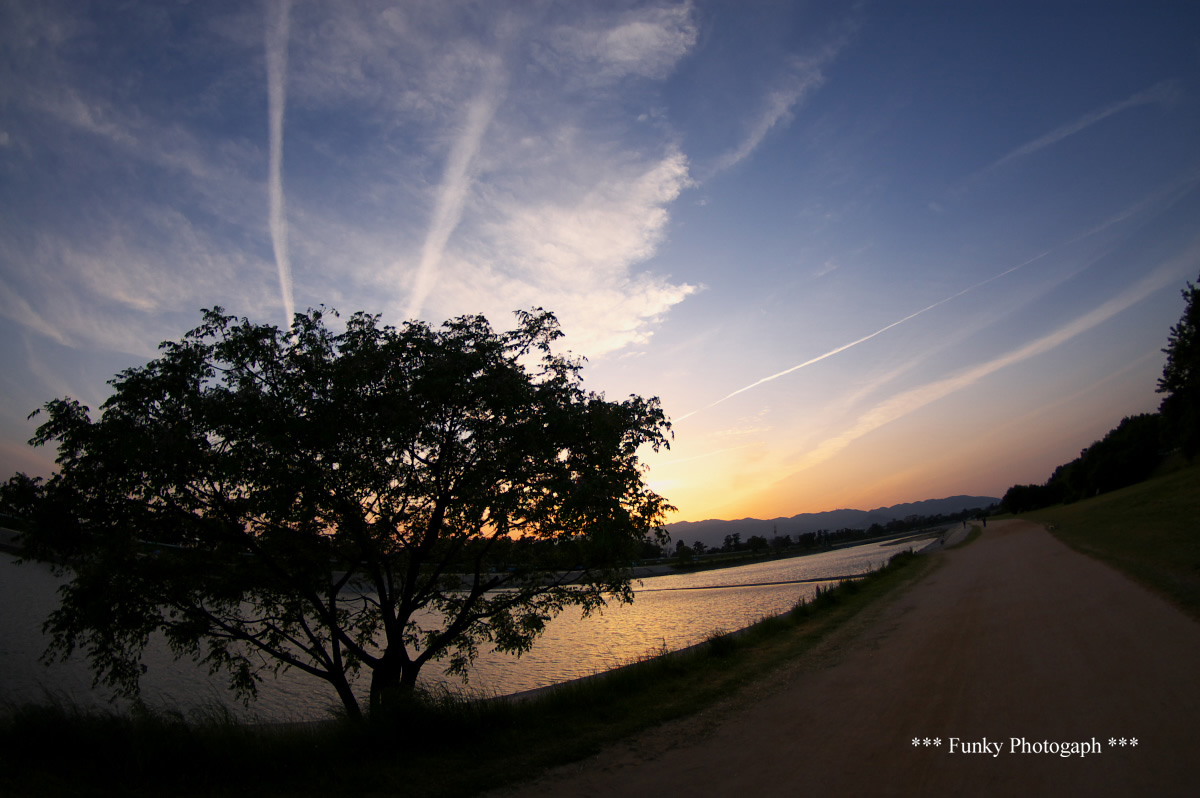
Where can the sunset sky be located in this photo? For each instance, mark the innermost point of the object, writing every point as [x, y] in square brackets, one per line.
[866, 253]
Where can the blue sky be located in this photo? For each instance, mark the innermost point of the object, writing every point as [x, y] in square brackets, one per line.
[865, 253]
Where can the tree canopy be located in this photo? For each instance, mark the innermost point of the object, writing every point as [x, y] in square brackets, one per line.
[1128, 454]
[374, 499]
[1180, 380]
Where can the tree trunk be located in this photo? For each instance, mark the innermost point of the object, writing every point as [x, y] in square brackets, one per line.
[392, 684]
[349, 700]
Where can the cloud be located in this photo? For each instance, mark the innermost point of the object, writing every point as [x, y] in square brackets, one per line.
[114, 285]
[436, 165]
[508, 190]
[455, 185]
[575, 255]
[643, 42]
[803, 76]
[16, 307]
[278, 22]
[1160, 93]
[828, 267]
[777, 110]
[1157, 201]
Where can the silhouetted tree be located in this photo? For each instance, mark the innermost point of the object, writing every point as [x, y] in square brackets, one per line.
[1180, 380]
[1129, 453]
[20, 497]
[374, 499]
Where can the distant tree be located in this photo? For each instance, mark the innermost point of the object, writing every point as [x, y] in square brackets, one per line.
[20, 497]
[757, 543]
[1129, 453]
[683, 553]
[699, 548]
[651, 550]
[1023, 498]
[370, 500]
[1180, 380]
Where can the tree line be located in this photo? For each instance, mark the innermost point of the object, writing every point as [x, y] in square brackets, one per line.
[1132, 450]
[821, 539]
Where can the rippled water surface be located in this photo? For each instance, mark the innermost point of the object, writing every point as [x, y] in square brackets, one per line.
[674, 611]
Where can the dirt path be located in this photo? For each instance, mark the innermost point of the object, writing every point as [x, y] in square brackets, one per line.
[1013, 636]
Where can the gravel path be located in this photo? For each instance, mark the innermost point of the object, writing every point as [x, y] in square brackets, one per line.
[1014, 635]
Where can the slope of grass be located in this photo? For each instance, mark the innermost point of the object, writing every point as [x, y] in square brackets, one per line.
[444, 745]
[1151, 531]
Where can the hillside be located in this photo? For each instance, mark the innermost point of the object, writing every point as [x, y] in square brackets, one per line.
[1147, 530]
[713, 532]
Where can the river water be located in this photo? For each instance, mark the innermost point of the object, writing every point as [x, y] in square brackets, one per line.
[672, 611]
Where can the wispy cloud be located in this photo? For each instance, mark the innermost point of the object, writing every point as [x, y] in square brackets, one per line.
[805, 76]
[455, 186]
[576, 254]
[277, 35]
[16, 307]
[117, 286]
[1160, 93]
[466, 173]
[642, 42]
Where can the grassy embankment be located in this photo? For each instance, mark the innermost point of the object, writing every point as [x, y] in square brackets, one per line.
[1150, 531]
[445, 746]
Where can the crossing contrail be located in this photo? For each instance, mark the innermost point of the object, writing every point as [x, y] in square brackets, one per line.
[455, 186]
[278, 22]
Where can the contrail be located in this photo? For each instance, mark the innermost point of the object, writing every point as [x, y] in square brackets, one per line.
[278, 22]
[910, 401]
[452, 193]
[807, 76]
[1173, 193]
[866, 338]
[1163, 92]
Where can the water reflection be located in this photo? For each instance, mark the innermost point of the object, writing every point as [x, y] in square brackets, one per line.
[674, 611]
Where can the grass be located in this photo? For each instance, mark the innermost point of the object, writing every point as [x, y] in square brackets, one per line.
[1150, 531]
[444, 745]
[972, 536]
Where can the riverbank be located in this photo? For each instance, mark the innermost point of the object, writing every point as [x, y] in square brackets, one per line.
[1147, 531]
[451, 746]
[718, 560]
[1014, 636]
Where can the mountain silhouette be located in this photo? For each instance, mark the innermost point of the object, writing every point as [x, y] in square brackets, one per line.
[712, 532]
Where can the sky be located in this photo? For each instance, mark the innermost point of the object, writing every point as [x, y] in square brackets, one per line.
[865, 253]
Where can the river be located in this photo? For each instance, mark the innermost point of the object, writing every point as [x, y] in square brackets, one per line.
[672, 611]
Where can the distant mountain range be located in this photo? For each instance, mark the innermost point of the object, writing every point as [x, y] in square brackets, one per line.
[712, 533]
